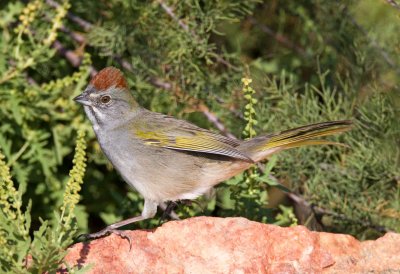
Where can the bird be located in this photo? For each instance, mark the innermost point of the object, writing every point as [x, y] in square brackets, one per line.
[167, 159]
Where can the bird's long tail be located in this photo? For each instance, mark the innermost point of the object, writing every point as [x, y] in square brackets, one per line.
[261, 147]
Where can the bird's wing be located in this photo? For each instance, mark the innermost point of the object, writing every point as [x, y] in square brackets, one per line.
[160, 130]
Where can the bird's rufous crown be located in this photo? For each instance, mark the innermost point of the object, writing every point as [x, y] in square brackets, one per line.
[109, 77]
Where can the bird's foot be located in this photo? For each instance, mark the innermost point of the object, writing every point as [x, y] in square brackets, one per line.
[191, 202]
[105, 232]
[169, 211]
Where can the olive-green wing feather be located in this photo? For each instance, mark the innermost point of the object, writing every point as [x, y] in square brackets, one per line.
[159, 130]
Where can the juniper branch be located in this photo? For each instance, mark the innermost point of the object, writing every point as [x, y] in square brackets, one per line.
[184, 26]
[388, 59]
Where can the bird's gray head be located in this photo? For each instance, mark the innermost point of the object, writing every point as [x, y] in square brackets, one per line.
[107, 97]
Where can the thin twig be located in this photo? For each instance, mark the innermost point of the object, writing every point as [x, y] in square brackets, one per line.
[70, 55]
[215, 120]
[278, 37]
[73, 58]
[74, 35]
[170, 12]
[319, 211]
[394, 4]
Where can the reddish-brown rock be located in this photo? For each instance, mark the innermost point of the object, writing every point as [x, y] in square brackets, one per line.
[236, 245]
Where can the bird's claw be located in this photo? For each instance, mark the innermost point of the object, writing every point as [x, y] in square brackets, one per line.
[107, 231]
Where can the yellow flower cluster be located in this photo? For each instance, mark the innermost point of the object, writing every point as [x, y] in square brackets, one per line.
[249, 113]
[28, 15]
[10, 199]
[246, 81]
[251, 175]
[8, 194]
[73, 186]
[57, 23]
[3, 243]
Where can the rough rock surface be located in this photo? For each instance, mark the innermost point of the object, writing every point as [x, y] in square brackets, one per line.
[236, 245]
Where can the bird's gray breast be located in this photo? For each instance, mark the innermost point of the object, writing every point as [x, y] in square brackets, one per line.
[157, 173]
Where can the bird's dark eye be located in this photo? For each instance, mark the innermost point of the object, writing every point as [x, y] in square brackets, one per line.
[105, 99]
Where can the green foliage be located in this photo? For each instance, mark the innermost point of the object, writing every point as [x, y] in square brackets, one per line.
[287, 217]
[51, 241]
[14, 233]
[20, 254]
[309, 61]
[248, 192]
[345, 178]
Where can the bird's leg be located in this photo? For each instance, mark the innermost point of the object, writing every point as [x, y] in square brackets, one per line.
[169, 210]
[149, 211]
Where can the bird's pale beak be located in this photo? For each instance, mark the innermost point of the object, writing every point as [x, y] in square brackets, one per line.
[82, 99]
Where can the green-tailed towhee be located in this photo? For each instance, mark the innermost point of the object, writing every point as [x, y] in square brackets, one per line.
[166, 159]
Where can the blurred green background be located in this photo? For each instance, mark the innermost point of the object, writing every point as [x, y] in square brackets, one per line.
[310, 61]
